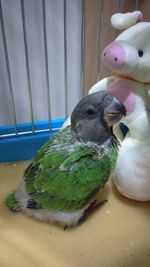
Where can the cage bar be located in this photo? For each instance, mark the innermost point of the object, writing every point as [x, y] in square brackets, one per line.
[100, 38]
[8, 69]
[137, 4]
[65, 59]
[27, 63]
[46, 63]
[82, 50]
[28, 133]
[118, 5]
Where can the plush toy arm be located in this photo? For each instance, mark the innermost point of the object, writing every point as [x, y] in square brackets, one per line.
[101, 85]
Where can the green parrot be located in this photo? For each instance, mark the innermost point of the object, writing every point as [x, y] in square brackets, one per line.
[61, 182]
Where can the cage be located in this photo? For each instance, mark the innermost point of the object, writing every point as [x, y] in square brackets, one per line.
[47, 50]
[50, 56]
[41, 58]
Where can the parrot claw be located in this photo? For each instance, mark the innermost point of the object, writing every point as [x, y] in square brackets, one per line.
[92, 208]
[31, 204]
[65, 227]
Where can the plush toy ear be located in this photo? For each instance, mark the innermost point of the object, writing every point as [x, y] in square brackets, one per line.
[122, 21]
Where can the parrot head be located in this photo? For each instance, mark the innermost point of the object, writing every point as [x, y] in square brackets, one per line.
[93, 117]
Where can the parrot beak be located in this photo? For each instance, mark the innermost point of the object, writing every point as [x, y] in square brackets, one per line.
[114, 112]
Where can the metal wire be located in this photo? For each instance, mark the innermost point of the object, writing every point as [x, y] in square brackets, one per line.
[137, 4]
[29, 132]
[27, 64]
[118, 5]
[46, 64]
[82, 50]
[65, 59]
[8, 68]
[100, 38]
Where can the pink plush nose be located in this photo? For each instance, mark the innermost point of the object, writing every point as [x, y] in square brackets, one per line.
[114, 56]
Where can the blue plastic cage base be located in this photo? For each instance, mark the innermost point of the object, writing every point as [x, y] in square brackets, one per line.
[24, 147]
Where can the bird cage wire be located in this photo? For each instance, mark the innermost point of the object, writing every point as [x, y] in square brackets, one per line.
[61, 8]
[70, 86]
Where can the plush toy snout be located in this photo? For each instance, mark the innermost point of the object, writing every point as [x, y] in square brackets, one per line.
[114, 55]
[120, 56]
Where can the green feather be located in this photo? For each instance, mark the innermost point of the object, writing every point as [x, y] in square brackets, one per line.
[12, 203]
[66, 174]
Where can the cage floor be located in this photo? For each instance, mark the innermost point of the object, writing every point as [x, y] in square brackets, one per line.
[117, 235]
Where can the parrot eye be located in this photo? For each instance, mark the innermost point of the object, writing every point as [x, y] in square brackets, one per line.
[90, 112]
[140, 52]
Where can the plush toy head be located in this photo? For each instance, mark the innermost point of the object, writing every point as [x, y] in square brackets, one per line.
[129, 54]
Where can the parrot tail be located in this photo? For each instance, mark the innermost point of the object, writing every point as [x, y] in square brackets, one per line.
[12, 203]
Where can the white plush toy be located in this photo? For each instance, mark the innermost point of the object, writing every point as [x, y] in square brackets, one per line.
[129, 59]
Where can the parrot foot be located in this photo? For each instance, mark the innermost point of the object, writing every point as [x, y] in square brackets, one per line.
[91, 209]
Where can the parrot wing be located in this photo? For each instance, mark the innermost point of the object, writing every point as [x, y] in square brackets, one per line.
[67, 179]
